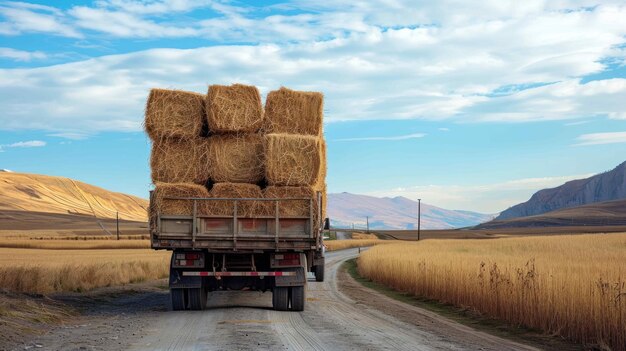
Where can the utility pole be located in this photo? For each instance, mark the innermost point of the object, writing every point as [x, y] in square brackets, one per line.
[419, 215]
[367, 220]
[117, 224]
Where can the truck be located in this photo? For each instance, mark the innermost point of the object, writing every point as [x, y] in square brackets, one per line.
[265, 253]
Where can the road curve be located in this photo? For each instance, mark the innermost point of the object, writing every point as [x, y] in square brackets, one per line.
[331, 321]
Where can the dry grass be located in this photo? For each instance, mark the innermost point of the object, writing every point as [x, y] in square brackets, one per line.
[234, 109]
[294, 160]
[572, 286]
[180, 161]
[174, 114]
[294, 112]
[236, 158]
[364, 236]
[47, 271]
[56, 244]
[333, 245]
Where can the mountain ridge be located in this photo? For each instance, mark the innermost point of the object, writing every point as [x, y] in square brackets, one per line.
[398, 212]
[51, 194]
[606, 186]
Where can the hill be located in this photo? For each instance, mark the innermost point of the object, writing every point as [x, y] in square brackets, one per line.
[606, 186]
[32, 193]
[344, 209]
[607, 213]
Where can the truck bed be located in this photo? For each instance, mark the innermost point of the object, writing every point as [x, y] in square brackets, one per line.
[231, 233]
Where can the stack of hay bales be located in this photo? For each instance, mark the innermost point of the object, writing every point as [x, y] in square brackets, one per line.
[225, 145]
[295, 151]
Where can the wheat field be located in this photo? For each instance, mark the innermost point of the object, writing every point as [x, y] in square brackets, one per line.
[46, 271]
[333, 245]
[572, 286]
[55, 244]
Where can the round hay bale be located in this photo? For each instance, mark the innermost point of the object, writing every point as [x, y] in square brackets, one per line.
[174, 114]
[249, 209]
[236, 158]
[294, 160]
[294, 112]
[180, 161]
[235, 108]
[161, 205]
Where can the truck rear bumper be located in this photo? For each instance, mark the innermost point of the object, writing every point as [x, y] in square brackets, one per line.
[238, 274]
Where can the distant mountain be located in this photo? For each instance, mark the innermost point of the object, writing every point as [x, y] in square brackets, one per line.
[606, 186]
[36, 193]
[606, 213]
[344, 209]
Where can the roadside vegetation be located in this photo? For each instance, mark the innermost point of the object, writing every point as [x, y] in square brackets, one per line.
[46, 271]
[572, 286]
[334, 245]
[54, 244]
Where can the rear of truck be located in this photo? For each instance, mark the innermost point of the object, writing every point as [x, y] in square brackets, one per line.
[265, 253]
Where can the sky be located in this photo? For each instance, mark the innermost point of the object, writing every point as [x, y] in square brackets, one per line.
[466, 105]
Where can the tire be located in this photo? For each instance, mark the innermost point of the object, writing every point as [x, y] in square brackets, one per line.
[319, 273]
[298, 296]
[197, 299]
[280, 298]
[179, 299]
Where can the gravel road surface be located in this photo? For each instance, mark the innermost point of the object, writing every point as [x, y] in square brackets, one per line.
[346, 317]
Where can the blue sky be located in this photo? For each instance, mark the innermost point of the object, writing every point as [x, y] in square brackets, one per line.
[468, 106]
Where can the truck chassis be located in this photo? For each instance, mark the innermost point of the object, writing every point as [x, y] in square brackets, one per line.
[265, 253]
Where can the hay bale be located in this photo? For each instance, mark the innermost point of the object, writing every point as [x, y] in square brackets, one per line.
[174, 114]
[235, 108]
[248, 209]
[296, 208]
[294, 112]
[294, 160]
[163, 206]
[236, 158]
[180, 161]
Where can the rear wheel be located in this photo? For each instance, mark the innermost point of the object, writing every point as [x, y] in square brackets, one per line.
[319, 273]
[297, 298]
[197, 299]
[179, 299]
[280, 298]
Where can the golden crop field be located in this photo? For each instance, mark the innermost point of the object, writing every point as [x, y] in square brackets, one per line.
[45, 271]
[363, 236]
[573, 286]
[333, 245]
[55, 244]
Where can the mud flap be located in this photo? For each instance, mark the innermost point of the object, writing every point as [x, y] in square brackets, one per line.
[178, 281]
[296, 280]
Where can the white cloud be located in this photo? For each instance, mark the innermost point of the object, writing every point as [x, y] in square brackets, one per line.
[398, 137]
[32, 143]
[444, 129]
[602, 138]
[24, 144]
[26, 18]
[20, 55]
[445, 64]
[486, 198]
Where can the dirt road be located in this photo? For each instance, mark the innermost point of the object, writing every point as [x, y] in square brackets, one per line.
[245, 320]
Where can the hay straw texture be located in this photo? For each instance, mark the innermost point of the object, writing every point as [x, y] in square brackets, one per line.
[293, 160]
[235, 190]
[176, 207]
[180, 161]
[235, 108]
[295, 208]
[236, 158]
[174, 114]
[294, 112]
